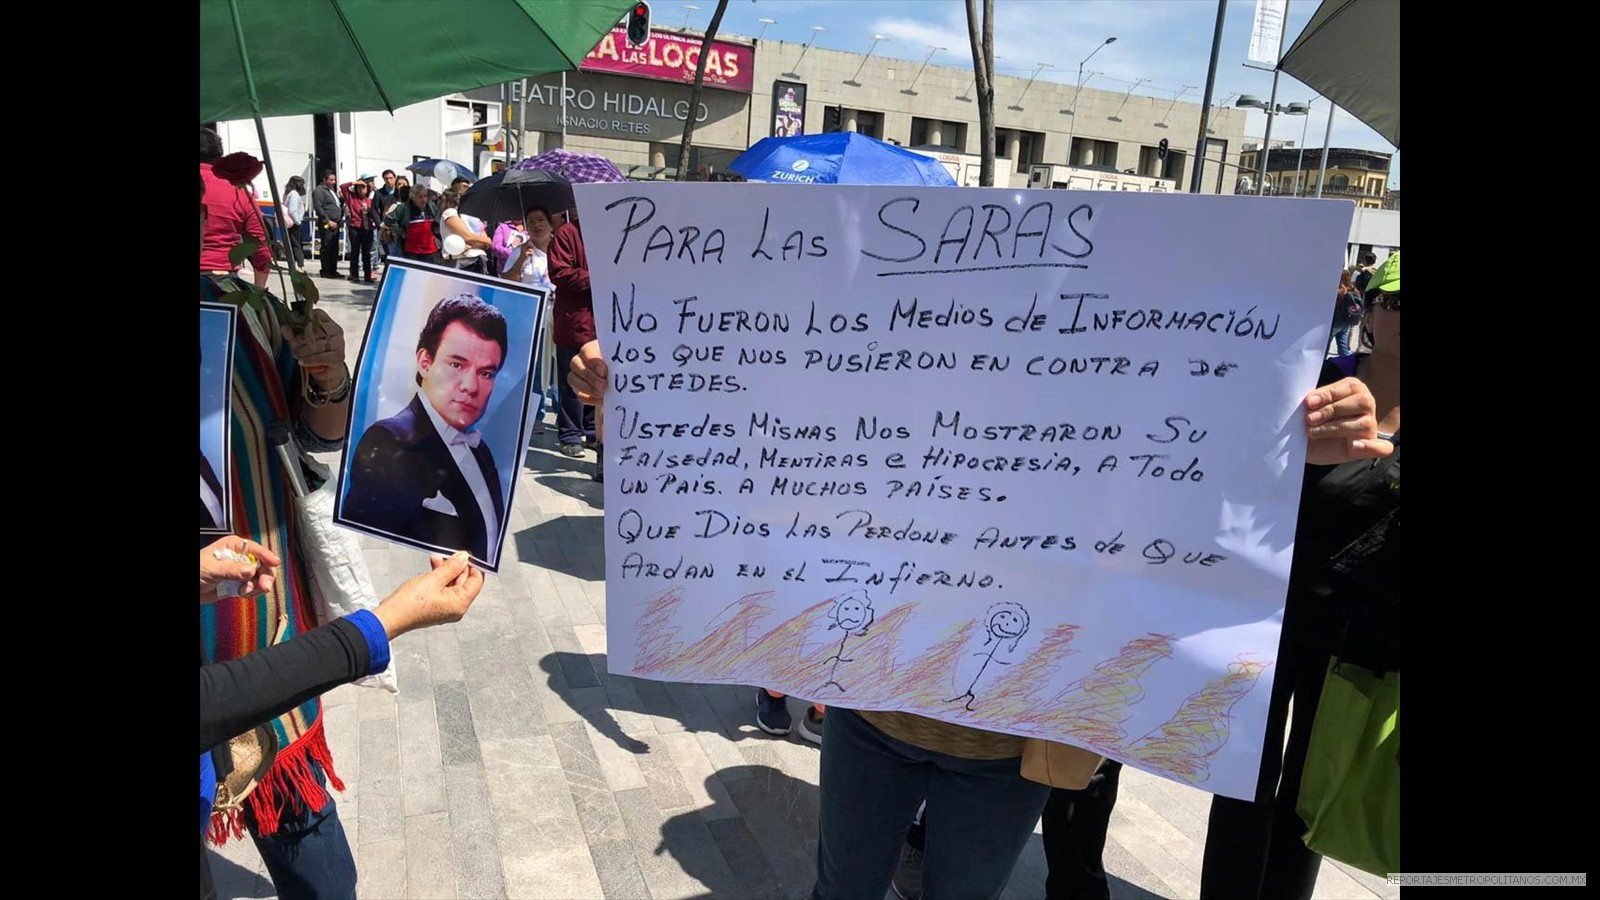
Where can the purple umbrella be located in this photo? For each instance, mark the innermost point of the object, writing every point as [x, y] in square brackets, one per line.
[578, 168]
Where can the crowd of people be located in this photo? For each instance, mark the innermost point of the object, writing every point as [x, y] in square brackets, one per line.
[908, 803]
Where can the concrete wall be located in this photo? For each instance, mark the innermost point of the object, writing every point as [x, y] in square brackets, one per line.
[938, 92]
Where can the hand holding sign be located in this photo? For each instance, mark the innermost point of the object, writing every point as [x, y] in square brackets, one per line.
[589, 373]
[1342, 425]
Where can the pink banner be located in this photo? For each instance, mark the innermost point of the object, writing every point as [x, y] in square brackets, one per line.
[673, 57]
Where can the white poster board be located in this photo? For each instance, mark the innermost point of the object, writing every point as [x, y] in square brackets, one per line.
[1023, 460]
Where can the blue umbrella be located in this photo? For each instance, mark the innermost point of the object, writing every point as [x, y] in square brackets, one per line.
[840, 157]
[443, 169]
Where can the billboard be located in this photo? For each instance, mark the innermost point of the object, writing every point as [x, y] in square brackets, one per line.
[672, 57]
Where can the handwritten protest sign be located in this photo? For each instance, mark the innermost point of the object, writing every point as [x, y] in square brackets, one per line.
[1027, 461]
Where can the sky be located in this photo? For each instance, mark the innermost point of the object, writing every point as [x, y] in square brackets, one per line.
[1166, 42]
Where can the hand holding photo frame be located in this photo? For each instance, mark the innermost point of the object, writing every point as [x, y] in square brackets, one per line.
[440, 411]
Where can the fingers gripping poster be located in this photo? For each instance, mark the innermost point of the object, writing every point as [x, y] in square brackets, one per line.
[1027, 461]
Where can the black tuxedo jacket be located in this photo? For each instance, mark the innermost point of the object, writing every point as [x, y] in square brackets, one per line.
[210, 477]
[401, 462]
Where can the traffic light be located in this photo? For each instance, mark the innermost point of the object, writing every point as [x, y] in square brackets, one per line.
[832, 117]
[1161, 150]
[639, 24]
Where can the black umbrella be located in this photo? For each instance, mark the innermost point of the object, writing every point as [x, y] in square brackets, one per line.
[508, 196]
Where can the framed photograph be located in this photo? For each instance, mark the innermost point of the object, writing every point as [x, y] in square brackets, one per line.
[439, 410]
[217, 321]
[788, 109]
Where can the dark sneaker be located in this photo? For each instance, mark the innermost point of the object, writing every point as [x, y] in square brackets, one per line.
[772, 713]
[573, 450]
[907, 881]
[599, 463]
[810, 726]
[591, 444]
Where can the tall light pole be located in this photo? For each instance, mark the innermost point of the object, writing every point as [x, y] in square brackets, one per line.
[1186, 89]
[1293, 109]
[876, 40]
[967, 97]
[1299, 164]
[1272, 106]
[1038, 67]
[689, 9]
[911, 90]
[1326, 137]
[764, 24]
[815, 30]
[1073, 112]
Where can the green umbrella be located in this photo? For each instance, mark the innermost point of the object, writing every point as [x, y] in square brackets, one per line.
[263, 58]
[292, 57]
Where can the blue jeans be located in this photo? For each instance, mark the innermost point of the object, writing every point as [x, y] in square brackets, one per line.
[1341, 338]
[574, 420]
[979, 816]
[309, 857]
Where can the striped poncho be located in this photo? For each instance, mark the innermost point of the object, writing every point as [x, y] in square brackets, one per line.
[265, 379]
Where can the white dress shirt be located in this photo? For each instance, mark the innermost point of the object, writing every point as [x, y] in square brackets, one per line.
[212, 501]
[468, 464]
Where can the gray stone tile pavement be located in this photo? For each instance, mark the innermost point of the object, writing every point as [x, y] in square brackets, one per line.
[511, 764]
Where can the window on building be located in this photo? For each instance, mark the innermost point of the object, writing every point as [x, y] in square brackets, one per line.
[1216, 155]
[936, 133]
[1149, 161]
[869, 124]
[1174, 167]
[345, 125]
[1089, 152]
[1030, 150]
[1340, 182]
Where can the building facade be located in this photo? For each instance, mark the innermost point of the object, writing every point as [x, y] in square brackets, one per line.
[1358, 175]
[935, 106]
[635, 118]
[629, 104]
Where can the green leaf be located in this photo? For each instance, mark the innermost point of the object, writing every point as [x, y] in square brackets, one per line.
[306, 288]
[243, 250]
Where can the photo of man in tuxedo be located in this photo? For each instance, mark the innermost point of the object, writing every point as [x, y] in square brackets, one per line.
[213, 515]
[216, 335]
[425, 473]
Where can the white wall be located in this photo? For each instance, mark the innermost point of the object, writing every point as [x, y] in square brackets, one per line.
[291, 139]
[388, 142]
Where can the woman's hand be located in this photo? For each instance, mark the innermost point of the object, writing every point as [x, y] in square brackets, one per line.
[589, 374]
[438, 597]
[238, 560]
[1342, 424]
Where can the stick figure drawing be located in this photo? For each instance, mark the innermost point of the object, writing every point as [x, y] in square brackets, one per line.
[851, 613]
[1004, 622]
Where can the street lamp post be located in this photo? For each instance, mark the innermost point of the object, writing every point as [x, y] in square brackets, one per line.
[815, 30]
[689, 9]
[876, 40]
[910, 91]
[1299, 164]
[1073, 112]
[764, 24]
[1326, 137]
[1038, 67]
[1293, 109]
